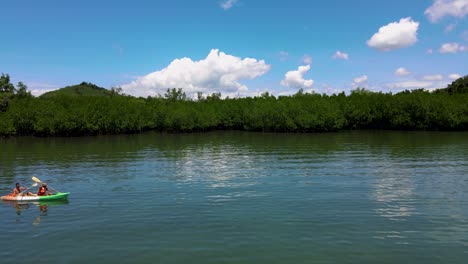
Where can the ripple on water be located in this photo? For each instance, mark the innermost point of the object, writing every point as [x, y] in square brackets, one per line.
[233, 197]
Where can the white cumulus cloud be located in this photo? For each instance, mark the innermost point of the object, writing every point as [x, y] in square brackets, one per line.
[39, 88]
[454, 76]
[360, 81]
[341, 55]
[435, 77]
[427, 82]
[295, 79]
[402, 72]
[395, 35]
[218, 72]
[39, 92]
[442, 8]
[228, 4]
[452, 48]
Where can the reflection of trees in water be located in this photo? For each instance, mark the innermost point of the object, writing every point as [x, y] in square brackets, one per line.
[28, 155]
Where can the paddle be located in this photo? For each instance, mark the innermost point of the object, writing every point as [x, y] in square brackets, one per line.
[34, 185]
[39, 181]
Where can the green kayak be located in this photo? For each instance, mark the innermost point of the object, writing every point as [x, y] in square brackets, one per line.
[52, 197]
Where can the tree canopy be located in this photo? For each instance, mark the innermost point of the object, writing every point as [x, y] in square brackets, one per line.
[86, 109]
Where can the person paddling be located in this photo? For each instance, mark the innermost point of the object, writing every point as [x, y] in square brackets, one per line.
[17, 190]
[43, 190]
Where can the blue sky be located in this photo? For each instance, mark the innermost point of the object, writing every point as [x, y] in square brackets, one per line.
[238, 48]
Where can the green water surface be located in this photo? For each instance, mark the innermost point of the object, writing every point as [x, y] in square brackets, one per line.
[235, 197]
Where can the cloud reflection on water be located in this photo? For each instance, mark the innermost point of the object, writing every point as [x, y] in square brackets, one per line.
[394, 194]
[221, 166]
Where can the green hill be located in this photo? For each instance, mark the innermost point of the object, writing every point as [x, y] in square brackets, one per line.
[458, 86]
[82, 89]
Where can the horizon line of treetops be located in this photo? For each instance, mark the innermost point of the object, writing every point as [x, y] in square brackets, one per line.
[87, 109]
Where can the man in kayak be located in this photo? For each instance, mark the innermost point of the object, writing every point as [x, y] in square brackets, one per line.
[18, 189]
[43, 190]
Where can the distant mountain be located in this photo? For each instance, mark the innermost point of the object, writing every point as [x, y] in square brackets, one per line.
[82, 89]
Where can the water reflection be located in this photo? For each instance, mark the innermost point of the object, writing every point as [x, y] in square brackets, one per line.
[20, 208]
[392, 184]
[218, 166]
[394, 194]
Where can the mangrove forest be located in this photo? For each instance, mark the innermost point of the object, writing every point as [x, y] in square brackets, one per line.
[87, 109]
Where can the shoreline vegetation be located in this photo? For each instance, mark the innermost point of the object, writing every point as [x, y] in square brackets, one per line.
[86, 109]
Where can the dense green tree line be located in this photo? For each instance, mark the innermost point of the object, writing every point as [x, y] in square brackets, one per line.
[113, 113]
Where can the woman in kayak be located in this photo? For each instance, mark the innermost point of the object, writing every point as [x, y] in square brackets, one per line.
[43, 190]
[18, 189]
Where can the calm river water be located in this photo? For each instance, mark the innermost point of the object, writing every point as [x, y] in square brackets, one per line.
[234, 197]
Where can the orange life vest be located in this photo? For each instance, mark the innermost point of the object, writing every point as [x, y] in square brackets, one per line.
[42, 191]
